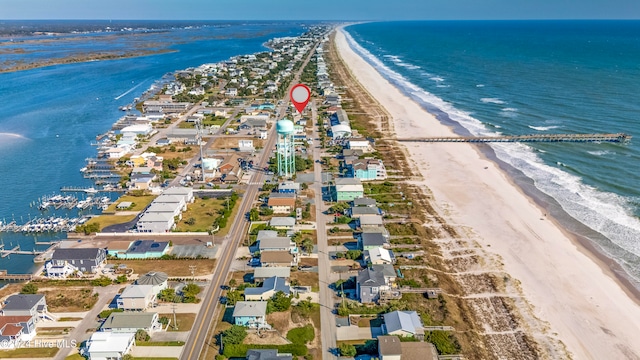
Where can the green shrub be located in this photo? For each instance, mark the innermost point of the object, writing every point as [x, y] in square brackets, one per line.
[301, 335]
[445, 342]
[240, 350]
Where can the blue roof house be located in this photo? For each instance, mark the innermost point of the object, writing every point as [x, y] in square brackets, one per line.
[146, 249]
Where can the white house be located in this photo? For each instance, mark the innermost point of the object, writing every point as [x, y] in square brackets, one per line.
[136, 297]
[155, 222]
[109, 345]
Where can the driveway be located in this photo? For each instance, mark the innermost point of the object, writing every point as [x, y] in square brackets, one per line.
[357, 333]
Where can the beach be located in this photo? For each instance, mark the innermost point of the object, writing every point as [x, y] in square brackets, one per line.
[575, 298]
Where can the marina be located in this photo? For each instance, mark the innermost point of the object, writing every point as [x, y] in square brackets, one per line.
[44, 225]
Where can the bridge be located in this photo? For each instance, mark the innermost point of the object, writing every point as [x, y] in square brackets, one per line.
[546, 138]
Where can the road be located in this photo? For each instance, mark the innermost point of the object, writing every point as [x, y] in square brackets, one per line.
[204, 326]
[327, 303]
[79, 334]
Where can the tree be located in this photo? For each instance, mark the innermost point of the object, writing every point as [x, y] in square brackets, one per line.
[233, 335]
[347, 349]
[353, 254]
[307, 245]
[168, 295]
[254, 214]
[279, 302]
[233, 296]
[121, 279]
[29, 288]
[142, 335]
[232, 282]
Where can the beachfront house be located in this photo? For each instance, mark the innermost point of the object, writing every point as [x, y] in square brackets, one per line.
[268, 289]
[378, 256]
[370, 240]
[136, 298]
[146, 249]
[107, 345]
[250, 314]
[119, 322]
[85, 260]
[372, 280]
[347, 189]
[403, 323]
[389, 348]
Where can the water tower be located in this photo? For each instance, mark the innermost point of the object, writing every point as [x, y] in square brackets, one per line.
[285, 148]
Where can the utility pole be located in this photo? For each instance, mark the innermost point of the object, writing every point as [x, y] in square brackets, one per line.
[192, 268]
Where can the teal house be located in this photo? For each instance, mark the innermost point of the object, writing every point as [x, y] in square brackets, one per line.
[146, 249]
[250, 314]
[347, 189]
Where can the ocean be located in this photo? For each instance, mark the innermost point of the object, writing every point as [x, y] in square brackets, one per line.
[49, 116]
[534, 77]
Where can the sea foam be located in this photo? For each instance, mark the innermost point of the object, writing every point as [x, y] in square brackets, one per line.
[607, 213]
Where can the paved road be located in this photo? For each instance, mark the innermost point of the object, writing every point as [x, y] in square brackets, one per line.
[79, 334]
[327, 303]
[204, 328]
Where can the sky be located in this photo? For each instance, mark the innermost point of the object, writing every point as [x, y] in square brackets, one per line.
[318, 10]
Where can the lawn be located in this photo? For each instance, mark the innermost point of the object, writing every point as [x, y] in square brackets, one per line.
[29, 353]
[200, 215]
[234, 215]
[173, 268]
[306, 278]
[159, 343]
[185, 321]
[108, 220]
[139, 203]
[70, 300]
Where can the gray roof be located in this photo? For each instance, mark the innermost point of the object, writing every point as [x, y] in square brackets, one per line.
[152, 278]
[364, 202]
[161, 217]
[250, 308]
[370, 277]
[77, 254]
[386, 269]
[370, 220]
[282, 195]
[389, 345]
[348, 181]
[373, 239]
[267, 272]
[267, 354]
[365, 210]
[137, 320]
[273, 283]
[178, 190]
[274, 242]
[282, 221]
[22, 301]
[136, 291]
[266, 234]
[145, 246]
[408, 321]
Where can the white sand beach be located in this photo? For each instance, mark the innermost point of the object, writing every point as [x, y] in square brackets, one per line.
[578, 296]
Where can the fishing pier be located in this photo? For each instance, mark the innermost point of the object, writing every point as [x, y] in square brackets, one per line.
[539, 138]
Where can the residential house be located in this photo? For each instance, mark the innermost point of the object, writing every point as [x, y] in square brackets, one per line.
[369, 283]
[176, 200]
[16, 329]
[282, 204]
[289, 187]
[141, 181]
[268, 289]
[262, 273]
[86, 260]
[147, 249]
[171, 209]
[357, 212]
[155, 222]
[230, 170]
[359, 144]
[379, 255]
[389, 348]
[106, 345]
[403, 323]
[251, 124]
[157, 279]
[370, 221]
[282, 223]
[267, 354]
[263, 234]
[367, 169]
[131, 322]
[277, 244]
[33, 305]
[231, 92]
[136, 297]
[278, 258]
[418, 350]
[364, 202]
[250, 313]
[341, 131]
[372, 240]
[347, 189]
[185, 192]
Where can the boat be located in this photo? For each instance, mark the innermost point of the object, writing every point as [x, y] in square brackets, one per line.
[90, 190]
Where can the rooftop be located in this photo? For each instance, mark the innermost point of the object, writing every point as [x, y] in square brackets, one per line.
[145, 246]
[139, 320]
[250, 308]
[389, 345]
[22, 301]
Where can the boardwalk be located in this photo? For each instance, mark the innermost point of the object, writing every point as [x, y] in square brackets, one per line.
[616, 138]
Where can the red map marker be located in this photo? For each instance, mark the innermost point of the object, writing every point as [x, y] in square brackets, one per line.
[300, 95]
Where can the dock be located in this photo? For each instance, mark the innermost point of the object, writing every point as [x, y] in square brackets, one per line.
[14, 277]
[543, 138]
[88, 189]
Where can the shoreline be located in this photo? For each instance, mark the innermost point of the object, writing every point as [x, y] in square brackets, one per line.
[551, 268]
